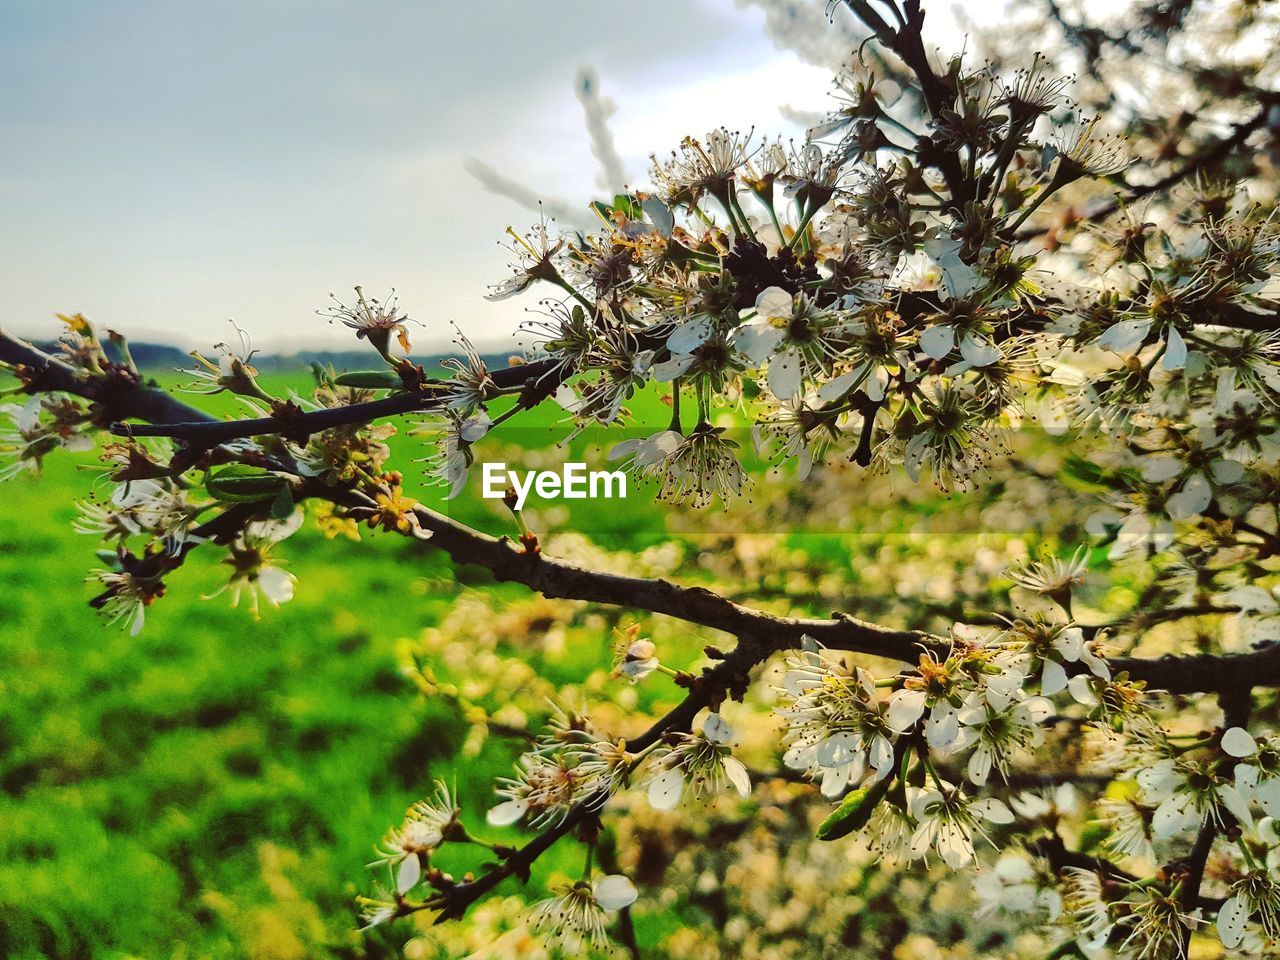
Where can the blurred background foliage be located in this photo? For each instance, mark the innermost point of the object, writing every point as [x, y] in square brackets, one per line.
[214, 787]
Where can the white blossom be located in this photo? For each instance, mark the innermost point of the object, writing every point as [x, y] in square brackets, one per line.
[701, 762]
[577, 918]
[836, 724]
[947, 821]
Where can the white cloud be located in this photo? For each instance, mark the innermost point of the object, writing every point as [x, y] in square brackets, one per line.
[177, 169]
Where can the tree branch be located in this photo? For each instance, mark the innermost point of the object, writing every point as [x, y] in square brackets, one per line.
[558, 578]
[204, 434]
[454, 899]
[122, 397]
[937, 96]
[1211, 154]
[1204, 673]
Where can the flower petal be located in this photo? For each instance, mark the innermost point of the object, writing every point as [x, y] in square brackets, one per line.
[1227, 471]
[978, 351]
[666, 788]
[1267, 795]
[1175, 350]
[880, 753]
[784, 375]
[1081, 690]
[938, 340]
[505, 814]
[774, 302]
[979, 766]
[1170, 818]
[1054, 678]
[690, 335]
[1125, 336]
[1069, 642]
[993, 810]
[943, 726]
[668, 370]
[1236, 742]
[837, 387]
[475, 427]
[658, 447]
[276, 584]
[958, 278]
[838, 749]
[756, 340]
[737, 775]
[716, 728]
[1192, 499]
[659, 215]
[409, 874]
[614, 892]
[800, 756]
[905, 708]
[876, 384]
[1231, 921]
[1160, 469]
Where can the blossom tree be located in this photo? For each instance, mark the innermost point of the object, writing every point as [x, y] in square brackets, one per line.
[959, 263]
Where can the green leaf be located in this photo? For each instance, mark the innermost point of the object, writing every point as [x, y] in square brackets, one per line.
[854, 812]
[238, 483]
[1094, 833]
[370, 379]
[1084, 476]
[282, 505]
[628, 206]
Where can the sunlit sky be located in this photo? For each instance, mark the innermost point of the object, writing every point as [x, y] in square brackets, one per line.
[168, 166]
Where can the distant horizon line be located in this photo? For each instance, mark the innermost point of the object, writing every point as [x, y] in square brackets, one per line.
[436, 347]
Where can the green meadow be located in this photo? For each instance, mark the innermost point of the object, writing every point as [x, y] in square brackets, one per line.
[215, 786]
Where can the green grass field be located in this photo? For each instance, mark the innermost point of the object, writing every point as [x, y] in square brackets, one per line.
[213, 787]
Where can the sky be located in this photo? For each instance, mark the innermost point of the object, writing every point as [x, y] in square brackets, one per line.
[169, 165]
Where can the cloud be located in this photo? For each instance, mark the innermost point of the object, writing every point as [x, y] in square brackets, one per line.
[596, 112]
[512, 189]
[801, 118]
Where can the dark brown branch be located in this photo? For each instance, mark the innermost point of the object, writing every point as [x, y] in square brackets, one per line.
[626, 934]
[223, 528]
[1059, 857]
[454, 900]
[205, 434]
[122, 399]
[907, 43]
[557, 578]
[1139, 620]
[539, 379]
[1210, 155]
[1241, 319]
[1204, 673]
